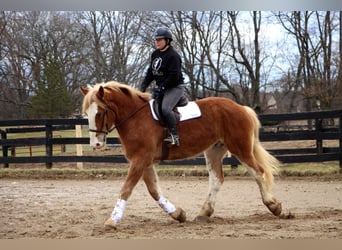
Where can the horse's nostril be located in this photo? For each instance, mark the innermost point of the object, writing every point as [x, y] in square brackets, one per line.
[98, 144]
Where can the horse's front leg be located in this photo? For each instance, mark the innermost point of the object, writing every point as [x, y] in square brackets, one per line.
[135, 172]
[152, 183]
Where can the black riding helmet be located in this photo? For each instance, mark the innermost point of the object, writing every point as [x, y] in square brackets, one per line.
[163, 33]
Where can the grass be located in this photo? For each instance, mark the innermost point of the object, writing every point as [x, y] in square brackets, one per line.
[317, 169]
[307, 169]
[310, 169]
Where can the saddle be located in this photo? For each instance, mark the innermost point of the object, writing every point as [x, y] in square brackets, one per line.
[184, 110]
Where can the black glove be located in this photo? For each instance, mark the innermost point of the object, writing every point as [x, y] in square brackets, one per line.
[143, 88]
[156, 93]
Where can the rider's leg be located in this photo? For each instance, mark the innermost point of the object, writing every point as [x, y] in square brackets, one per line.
[170, 119]
[170, 100]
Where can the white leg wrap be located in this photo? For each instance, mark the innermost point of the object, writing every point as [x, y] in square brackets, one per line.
[167, 206]
[118, 210]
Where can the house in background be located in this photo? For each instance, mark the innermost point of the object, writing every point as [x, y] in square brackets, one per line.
[278, 102]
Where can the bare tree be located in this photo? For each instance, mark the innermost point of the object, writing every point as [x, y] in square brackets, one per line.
[115, 48]
[203, 41]
[340, 54]
[187, 35]
[17, 62]
[313, 34]
[339, 63]
[325, 87]
[247, 60]
[220, 58]
[340, 49]
[30, 39]
[224, 53]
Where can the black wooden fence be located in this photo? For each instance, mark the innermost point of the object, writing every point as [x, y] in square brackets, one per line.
[277, 127]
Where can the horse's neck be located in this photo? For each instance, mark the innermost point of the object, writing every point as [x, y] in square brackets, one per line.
[128, 109]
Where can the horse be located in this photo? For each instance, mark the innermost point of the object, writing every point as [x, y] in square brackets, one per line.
[224, 126]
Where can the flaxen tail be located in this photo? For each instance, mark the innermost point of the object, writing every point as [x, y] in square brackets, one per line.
[268, 162]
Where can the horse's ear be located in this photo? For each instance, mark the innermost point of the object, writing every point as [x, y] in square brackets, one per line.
[84, 90]
[100, 93]
[126, 91]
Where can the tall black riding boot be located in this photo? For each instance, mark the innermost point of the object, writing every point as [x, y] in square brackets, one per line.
[170, 120]
[173, 139]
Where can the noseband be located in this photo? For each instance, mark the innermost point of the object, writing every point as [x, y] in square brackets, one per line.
[102, 131]
[120, 123]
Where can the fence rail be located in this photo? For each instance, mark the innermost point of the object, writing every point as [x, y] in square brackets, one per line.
[280, 130]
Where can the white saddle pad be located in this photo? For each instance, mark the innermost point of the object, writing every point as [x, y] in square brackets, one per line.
[190, 111]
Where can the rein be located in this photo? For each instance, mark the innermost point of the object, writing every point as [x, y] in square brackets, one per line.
[120, 123]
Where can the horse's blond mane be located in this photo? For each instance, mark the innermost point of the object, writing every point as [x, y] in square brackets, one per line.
[112, 85]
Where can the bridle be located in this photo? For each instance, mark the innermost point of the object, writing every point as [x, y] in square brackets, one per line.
[102, 131]
[108, 130]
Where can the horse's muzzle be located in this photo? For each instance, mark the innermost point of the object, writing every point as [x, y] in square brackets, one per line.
[98, 142]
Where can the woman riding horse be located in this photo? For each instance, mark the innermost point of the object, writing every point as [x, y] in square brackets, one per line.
[165, 69]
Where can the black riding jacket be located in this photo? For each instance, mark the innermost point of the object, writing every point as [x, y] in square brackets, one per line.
[165, 69]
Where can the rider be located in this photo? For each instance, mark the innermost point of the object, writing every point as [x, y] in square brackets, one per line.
[165, 69]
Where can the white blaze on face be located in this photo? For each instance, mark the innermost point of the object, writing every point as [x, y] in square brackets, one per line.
[95, 142]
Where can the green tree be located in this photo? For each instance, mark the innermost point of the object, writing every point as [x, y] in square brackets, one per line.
[52, 99]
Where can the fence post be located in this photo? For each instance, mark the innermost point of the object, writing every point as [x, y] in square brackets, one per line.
[319, 142]
[79, 148]
[4, 148]
[48, 145]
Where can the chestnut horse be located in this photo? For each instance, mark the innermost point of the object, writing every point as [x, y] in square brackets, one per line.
[224, 126]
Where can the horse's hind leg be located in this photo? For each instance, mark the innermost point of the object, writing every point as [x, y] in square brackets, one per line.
[264, 179]
[150, 178]
[266, 193]
[213, 156]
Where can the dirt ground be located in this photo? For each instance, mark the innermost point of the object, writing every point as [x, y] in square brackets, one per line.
[77, 209]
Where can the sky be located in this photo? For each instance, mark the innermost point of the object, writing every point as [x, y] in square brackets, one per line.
[169, 5]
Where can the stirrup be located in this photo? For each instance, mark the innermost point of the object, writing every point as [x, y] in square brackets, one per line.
[173, 140]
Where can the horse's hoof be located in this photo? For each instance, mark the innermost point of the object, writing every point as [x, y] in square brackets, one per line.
[202, 218]
[276, 208]
[110, 224]
[179, 215]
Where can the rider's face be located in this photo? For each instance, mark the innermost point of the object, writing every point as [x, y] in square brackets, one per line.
[160, 43]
